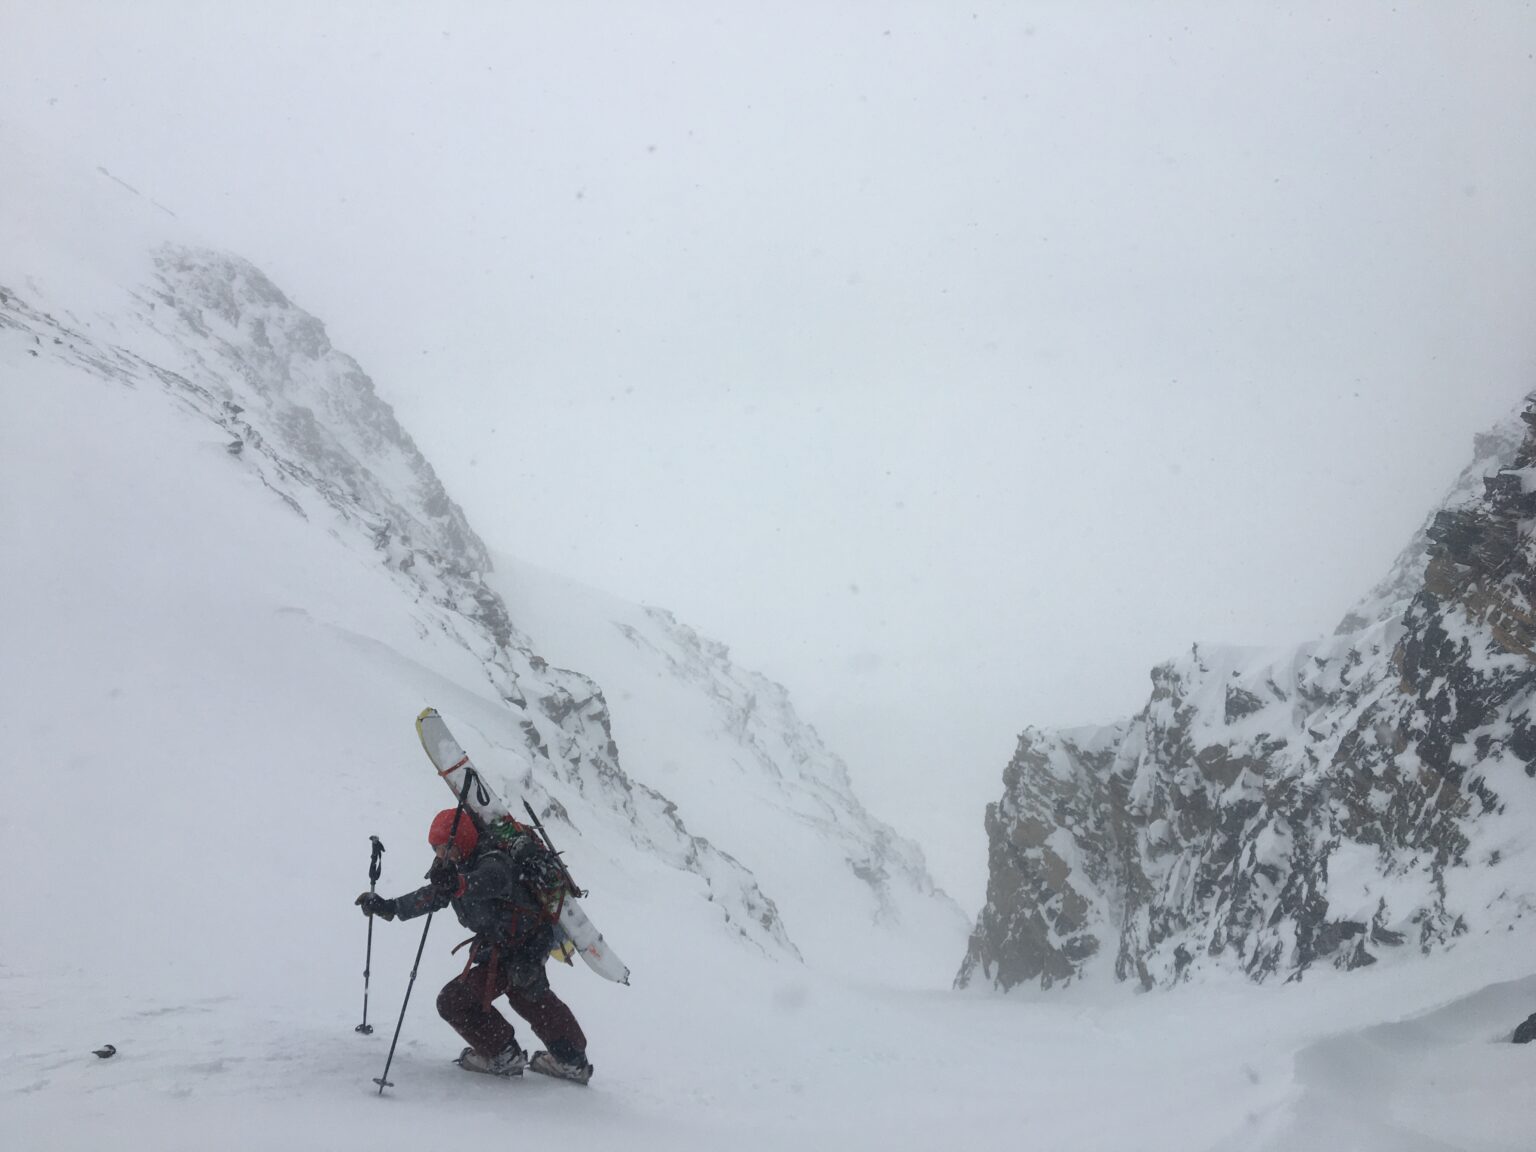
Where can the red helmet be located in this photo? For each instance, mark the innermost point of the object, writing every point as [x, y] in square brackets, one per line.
[464, 839]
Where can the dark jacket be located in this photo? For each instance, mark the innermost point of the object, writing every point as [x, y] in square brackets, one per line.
[491, 898]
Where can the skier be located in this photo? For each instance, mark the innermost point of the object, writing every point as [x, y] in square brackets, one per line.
[494, 892]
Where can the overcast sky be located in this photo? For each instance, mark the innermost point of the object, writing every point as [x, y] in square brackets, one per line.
[953, 362]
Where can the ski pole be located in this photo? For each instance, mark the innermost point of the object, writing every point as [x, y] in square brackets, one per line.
[375, 867]
[453, 832]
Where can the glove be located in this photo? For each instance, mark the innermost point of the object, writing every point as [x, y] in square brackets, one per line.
[444, 876]
[373, 905]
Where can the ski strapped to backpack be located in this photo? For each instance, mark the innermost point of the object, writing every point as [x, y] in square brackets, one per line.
[575, 933]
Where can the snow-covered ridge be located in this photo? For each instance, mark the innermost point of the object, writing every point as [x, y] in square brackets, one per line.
[1491, 451]
[210, 333]
[1268, 811]
[728, 746]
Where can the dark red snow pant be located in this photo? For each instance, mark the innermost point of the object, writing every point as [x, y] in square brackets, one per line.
[465, 1002]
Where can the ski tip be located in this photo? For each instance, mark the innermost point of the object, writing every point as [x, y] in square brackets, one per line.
[424, 713]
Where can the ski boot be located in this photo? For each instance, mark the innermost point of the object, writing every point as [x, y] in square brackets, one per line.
[510, 1062]
[576, 1069]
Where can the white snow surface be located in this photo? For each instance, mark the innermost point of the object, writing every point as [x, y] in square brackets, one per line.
[726, 745]
[206, 705]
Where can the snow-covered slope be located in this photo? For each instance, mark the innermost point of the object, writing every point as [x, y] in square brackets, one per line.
[107, 304]
[211, 664]
[727, 746]
[1349, 799]
[210, 334]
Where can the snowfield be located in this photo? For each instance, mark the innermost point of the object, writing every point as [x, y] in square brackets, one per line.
[207, 706]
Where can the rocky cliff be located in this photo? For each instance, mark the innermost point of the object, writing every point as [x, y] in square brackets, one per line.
[1268, 811]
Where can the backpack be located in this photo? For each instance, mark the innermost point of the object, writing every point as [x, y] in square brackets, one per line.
[538, 867]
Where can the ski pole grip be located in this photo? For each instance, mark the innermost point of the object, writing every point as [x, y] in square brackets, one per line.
[375, 862]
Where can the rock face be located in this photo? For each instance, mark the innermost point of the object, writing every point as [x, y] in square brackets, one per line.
[1269, 811]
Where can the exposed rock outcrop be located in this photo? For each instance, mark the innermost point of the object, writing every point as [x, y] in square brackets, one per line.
[1270, 811]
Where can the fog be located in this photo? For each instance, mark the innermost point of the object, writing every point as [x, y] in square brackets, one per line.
[954, 364]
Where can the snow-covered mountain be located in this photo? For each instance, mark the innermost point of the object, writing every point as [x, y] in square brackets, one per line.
[229, 583]
[726, 744]
[185, 325]
[1347, 800]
